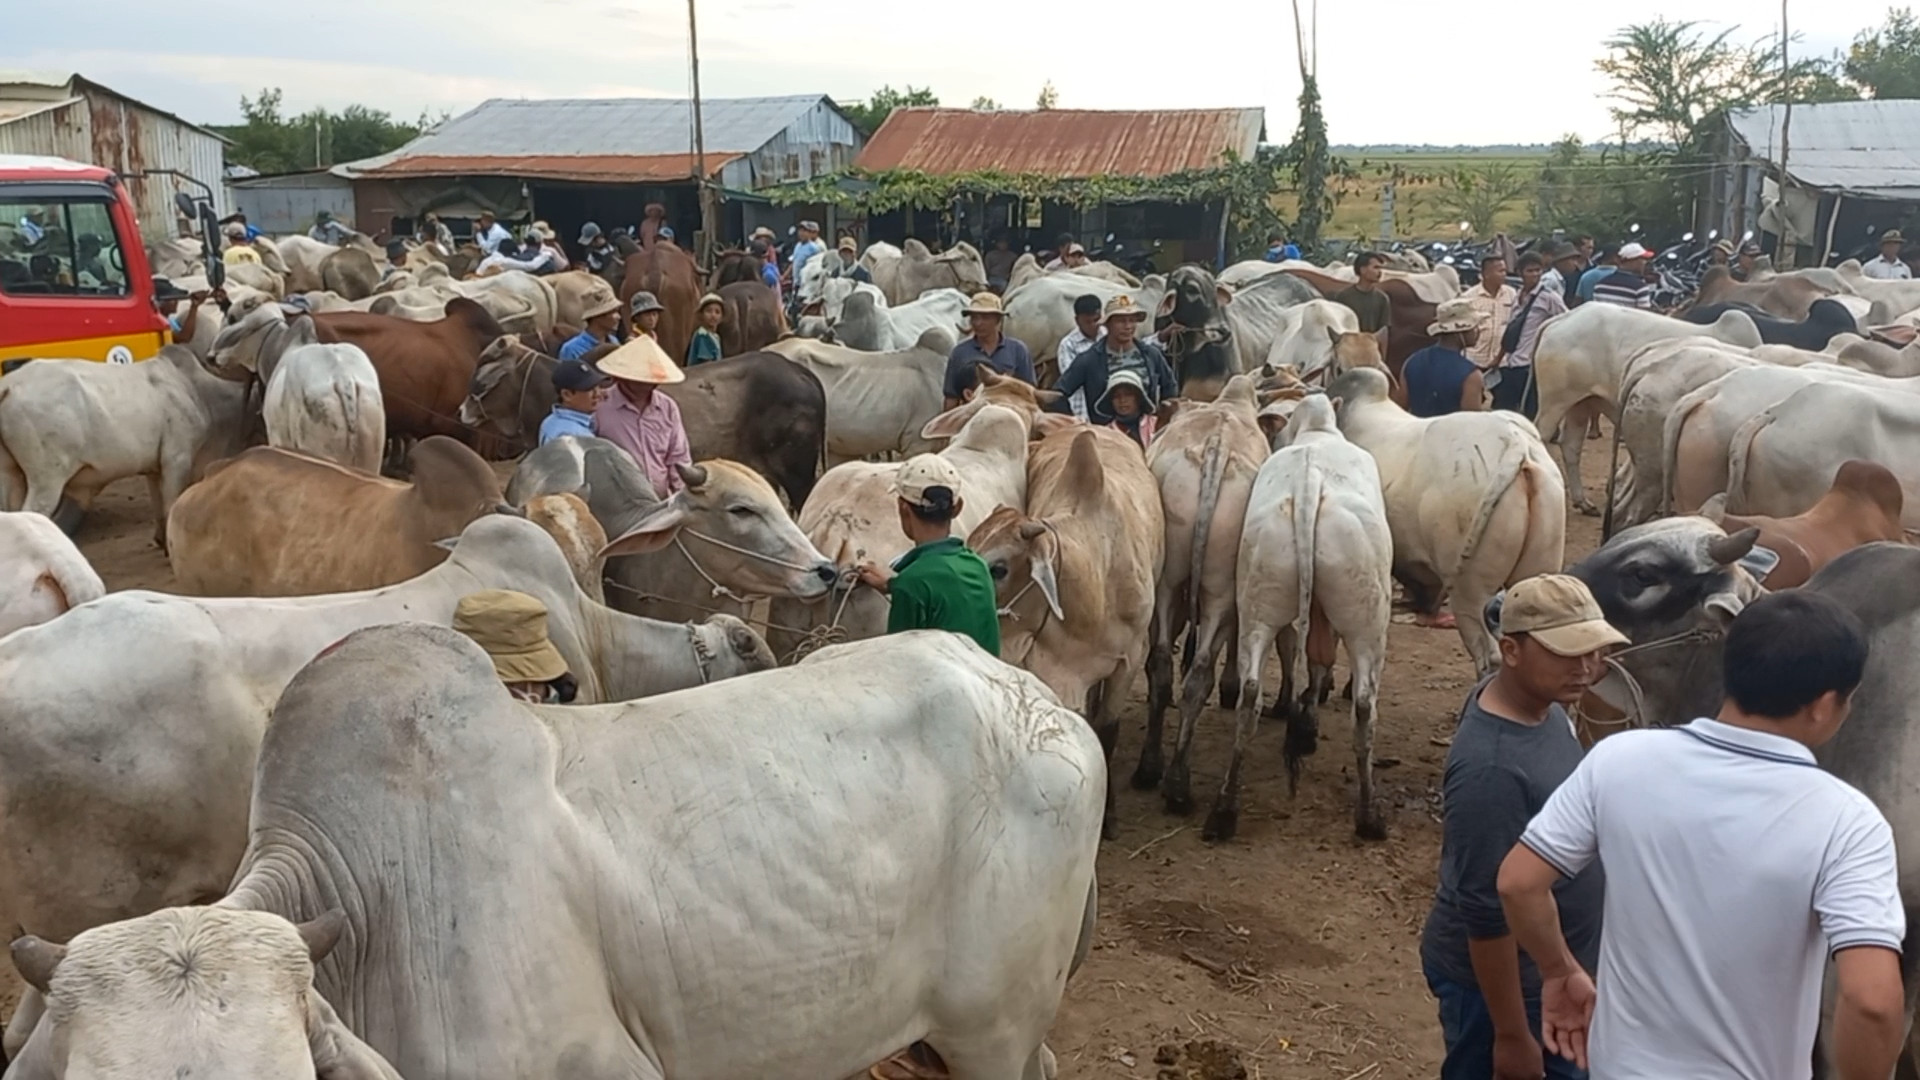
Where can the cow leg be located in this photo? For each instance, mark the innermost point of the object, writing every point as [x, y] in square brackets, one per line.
[1194, 691]
[13, 482]
[1230, 670]
[1303, 724]
[1224, 821]
[1368, 822]
[1103, 706]
[1573, 438]
[44, 490]
[996, 1058]
[1282, 704]
[174, 480]
[1159, 691]
[26, 1016]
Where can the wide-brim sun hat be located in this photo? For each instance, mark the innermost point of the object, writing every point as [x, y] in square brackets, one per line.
[710, 298]
[607, 304]
[1122, 305]
[512, 628]
[641, 360]
[642, 302]
[1453, 317]
[1131, 379]
[985, 303]
[1892, 236]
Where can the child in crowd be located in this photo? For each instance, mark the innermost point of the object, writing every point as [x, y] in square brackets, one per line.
[705, 345]
[1126, 398]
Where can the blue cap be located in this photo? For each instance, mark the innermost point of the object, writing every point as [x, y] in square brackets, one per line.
[577, 375]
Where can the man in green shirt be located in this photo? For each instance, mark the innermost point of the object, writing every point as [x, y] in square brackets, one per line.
[940, 584]
[1365, 297]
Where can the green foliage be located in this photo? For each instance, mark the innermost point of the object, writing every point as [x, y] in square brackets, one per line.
[983, 103]
[1308, 161]
[1599, 194]
[1049, 97]
[870, 114]
[1886, 61]
[272, 143]
[1478, 196]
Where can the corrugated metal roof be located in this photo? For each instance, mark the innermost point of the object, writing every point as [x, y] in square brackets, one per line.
[20, 110]
[1065, 143]
[41, 81]
[575, 128]
[1869, 148]
[609, 168]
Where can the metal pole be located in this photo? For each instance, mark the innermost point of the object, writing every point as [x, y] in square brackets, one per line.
[1785, 260]
[709, 211]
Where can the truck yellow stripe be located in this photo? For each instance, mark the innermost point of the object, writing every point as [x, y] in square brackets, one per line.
[137, 346]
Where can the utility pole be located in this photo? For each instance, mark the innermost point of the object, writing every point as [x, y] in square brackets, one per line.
[709, 199]
[1784, 256]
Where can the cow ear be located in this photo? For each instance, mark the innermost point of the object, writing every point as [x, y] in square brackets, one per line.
[655, 530]
[1049, 582]
[1333, 335]
[447, 544]
[949, 423]
[36, 960]
[489, 376]
[1166, 305]
[1047, 397]
[1223, 294]
[323, 933]
[339, 1054]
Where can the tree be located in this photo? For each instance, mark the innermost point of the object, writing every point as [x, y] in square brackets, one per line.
[869, 115]
[271, 143]
[1308, 157]
[983, 103]
[1479, 196]
[1049, 97]
[1886, 62]
[1669, 79]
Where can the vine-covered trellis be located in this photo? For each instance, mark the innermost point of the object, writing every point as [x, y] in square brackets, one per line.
[1247, 185]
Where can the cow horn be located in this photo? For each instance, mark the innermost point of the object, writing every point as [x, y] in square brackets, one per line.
[1730, 549]
[36, 960]
[323, 933]
[694, 476]
[1032, 530]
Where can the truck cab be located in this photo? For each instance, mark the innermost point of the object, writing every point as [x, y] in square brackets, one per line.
[74, 279]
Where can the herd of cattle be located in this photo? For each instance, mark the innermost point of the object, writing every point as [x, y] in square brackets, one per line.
[770, 870]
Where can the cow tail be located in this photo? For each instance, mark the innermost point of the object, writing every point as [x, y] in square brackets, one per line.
[1306, 523]
[1213, 465]
[348, 395]
[1670, 431]
[1513, 459]
[1739, 452]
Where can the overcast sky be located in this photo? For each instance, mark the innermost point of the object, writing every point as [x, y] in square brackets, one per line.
[1392, 71]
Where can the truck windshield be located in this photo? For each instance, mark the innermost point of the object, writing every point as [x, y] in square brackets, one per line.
[60, 247]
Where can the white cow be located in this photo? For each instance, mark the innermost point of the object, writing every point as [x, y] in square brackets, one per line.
[1891, 299]
[73, 426]
[1306, 337]
[1474, 501]
[1258, 312]
[909, 839]
[1582, 357]
[877, 402]
[324, 401]
[853, 516]
[1784, 459]
[1316, 561]
[866, 322]
[148, 709]
[41, 573]
[904, 273]
[1657, 378]
[835, 293]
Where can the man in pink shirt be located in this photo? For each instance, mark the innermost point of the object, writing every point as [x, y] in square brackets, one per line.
[638, 418]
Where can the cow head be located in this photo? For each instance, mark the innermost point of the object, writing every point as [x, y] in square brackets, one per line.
[207, 992]
[958, 267]
[1672, 586]
[511, 392]
[1023, 555]
[731, 526]
[1193, 298]
[995, 389]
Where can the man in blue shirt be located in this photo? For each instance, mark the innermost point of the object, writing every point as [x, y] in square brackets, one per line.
[1439, 378]
[1279, 249]
[807, 248]
[1584, 290]
[581, 387]
[987, 345]
[603, 322]
[1120, 350]
[1627, 286]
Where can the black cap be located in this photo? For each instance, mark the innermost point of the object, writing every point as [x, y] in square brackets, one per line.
[574, 375]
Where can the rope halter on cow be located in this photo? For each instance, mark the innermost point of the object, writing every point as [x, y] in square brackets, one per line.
[1636, 717]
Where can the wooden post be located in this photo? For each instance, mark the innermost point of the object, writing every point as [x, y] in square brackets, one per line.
[709, 198]
[1783, 258]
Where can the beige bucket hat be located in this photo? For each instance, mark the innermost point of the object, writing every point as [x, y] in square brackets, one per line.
[641, 360]
[601, 304]
[984, 303]
[1121, 305]
[1453, 317]
[512, 628]
[1557, 611]
[710, 298]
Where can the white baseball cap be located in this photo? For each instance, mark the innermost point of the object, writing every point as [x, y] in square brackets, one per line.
[1634, 251]
[920, 474]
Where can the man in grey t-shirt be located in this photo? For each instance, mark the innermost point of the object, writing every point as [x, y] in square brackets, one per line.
[1514, 746]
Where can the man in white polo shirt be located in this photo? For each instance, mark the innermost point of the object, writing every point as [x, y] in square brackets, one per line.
[1736, 867]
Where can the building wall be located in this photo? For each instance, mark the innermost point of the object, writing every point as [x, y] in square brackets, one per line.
[818, 142]
[107, 130]
[279, 205]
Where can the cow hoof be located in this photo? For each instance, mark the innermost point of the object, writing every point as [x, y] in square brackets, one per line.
[1179, 804]
[1221, 825]
[1370, 824]
[1147, 776]
[1229, 694]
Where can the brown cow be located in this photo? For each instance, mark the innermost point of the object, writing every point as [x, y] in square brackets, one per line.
[671, 275]
[424, 368]
[1862, 506]
[275, 523]
[1407, 329]
[734, 265]
[752, 320]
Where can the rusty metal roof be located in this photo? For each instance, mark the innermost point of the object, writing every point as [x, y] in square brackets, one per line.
[592, 168]
[1072, 144]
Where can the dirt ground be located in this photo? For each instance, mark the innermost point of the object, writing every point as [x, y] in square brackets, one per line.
[1292, 951]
